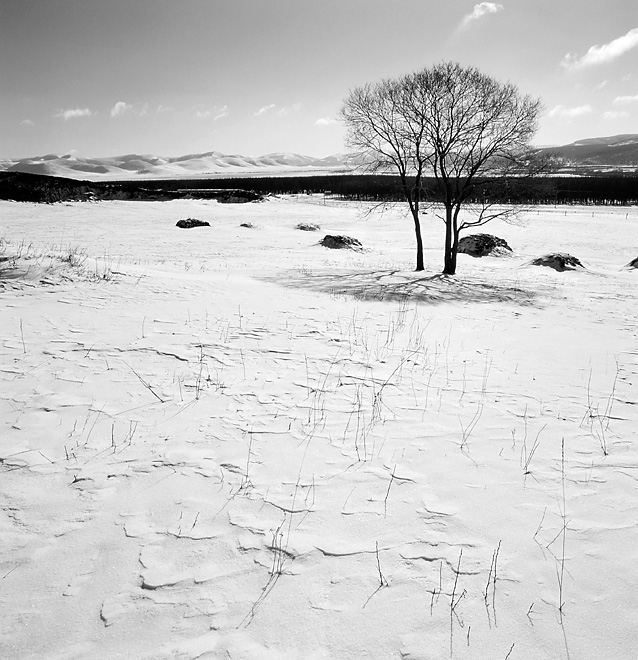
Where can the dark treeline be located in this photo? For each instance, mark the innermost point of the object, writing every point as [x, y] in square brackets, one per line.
[44, 189]
[24, 187]
[613, 189]
[616, 189]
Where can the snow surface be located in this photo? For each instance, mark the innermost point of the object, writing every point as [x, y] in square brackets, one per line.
[232, 443]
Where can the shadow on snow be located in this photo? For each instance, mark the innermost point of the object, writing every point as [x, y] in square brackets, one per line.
[392, 285]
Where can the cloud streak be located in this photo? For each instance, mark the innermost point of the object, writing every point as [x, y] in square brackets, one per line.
[626, 99]
[481, 10]
[569, 113]
[263, 110]
[288, 109]
[326, 121]
[74, 113]
[218, 112]
[281, 112]
[603, 54]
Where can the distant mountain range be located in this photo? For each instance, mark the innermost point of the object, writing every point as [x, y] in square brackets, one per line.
[619, 152]
[133, 166]
[603, 153]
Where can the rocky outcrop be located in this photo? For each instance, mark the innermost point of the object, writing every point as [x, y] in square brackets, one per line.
[558, 261]
[340, 242]
[483, 245]
[307, 226]
[189, 223]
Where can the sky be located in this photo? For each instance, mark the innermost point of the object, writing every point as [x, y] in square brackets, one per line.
[102, 78]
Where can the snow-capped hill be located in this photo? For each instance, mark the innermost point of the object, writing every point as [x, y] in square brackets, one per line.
[616, 151]
[208, 163]
[207, 154]
[612, 141]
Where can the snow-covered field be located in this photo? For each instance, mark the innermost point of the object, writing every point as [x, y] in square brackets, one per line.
[231, 442]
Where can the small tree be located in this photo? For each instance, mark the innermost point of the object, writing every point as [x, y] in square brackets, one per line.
[457, 124]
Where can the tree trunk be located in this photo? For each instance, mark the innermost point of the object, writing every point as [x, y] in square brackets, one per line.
[419, 241]
[449, 262]
[455, 250]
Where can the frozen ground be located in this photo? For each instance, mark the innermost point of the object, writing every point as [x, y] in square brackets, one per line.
[230, 442]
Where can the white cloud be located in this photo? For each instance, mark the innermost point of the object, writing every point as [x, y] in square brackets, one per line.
[120, 108]
[612, 115]
[326, 121]
[603, 54]
[265, 109]
[74, 113]
[26, 122]
[570, 113]
[202, 114]
[164, 108]
[626, 99]
[480, 10]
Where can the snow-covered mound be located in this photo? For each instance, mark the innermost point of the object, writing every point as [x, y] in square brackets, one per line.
[482, 245]
[558, 261]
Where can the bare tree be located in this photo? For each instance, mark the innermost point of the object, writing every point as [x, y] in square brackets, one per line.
[457, 124]
[385, 136]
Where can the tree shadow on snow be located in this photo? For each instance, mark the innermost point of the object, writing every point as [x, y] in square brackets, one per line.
[392, 285]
